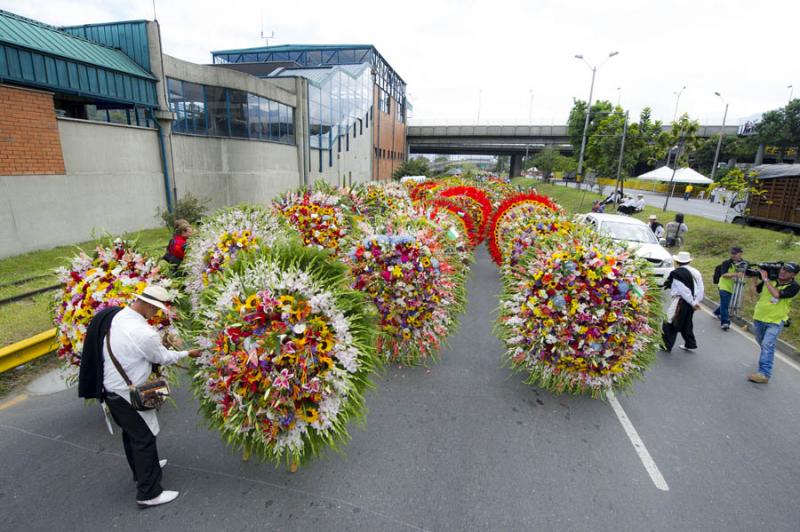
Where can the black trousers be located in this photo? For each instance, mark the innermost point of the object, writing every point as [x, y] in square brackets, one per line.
[669, 331]
[140, 447]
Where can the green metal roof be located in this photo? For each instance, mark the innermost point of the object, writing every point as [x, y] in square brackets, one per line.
[295, 48]
[33, 35]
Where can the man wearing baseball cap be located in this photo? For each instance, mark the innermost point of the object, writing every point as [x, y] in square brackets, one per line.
[726, 275]
[771, 314]
[137, 346]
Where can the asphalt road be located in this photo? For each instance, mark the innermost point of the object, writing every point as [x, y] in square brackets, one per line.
[462, 445]
[693, 206]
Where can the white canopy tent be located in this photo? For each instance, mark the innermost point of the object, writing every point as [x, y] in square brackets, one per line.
[682, 175]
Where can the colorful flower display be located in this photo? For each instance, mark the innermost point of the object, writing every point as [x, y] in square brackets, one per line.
[321, 218]
[404, 269]
[113, 276]
[221, 238]
[538, 213]
[375, 201]
[475, 201]
[458, 215]
[289, 353]
[579, 314]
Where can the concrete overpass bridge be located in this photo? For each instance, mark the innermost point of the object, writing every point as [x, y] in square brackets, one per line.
[515, 141]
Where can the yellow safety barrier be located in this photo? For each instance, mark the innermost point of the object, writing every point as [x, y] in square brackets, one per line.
[21, 352]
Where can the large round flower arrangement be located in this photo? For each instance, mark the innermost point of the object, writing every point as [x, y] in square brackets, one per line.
[416, 290]
[475, 201]
[579, 314]
[457, 215]
[539, 213]
[221, 238]
[289, 354]
[321, 218]
[113, 276]
[378, 200]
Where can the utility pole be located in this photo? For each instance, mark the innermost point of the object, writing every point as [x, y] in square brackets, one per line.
[719, 142]
[620, 183]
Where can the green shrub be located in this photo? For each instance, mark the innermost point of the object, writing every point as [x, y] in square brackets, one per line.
[189, 207]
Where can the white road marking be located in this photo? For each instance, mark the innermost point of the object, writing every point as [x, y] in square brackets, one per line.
[791, 363]
[638, 444]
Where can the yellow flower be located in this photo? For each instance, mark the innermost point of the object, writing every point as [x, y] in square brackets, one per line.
[326, 364]
[252, 302]
[309, 414]
[286, 300]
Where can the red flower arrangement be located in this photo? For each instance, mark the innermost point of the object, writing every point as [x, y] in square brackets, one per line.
[473, 200]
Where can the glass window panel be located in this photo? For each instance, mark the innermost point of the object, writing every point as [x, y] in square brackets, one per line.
[314, 58]
[253, 117]
[274, 117]
[195, 108]
[283, 117]
[263, 109]
[238, 102]
[290, 123]
[217, 112]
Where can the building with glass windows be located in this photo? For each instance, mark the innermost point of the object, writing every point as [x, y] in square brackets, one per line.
[351, 88]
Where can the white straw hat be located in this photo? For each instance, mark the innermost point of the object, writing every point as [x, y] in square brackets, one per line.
[683, 257]
[156, 296]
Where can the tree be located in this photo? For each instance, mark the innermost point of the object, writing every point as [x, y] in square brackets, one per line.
[549, 160]
[418, 166]
[732, 147]
[682, 135]
[577, 117]
[603, 146]
[773, 130]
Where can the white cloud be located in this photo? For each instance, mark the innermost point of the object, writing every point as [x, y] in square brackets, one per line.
[448, 51]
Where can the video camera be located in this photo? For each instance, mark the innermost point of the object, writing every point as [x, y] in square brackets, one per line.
[772, 269]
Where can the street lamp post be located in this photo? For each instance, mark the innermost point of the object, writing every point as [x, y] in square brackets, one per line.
[621, 153]
[619, 94]
[677, 99]
[530, 108]
[721, 132]
[791, 91]
[588, 112]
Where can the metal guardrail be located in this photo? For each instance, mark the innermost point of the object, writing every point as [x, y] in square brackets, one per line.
[29, 349]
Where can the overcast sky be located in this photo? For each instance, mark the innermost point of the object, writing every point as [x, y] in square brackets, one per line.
[466, 58]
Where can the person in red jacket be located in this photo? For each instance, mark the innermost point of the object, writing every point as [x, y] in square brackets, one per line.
[176, 249]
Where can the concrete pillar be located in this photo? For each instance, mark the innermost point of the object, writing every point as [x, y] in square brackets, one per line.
[515, 168]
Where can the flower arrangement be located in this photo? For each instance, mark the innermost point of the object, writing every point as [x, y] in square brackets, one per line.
[475, 201]
[221, 238]
[417, 291]
[515, 212]
[289, 354]
[321, 217]
[579, 314]
[377, 200]
[112, 277]
[456, 214]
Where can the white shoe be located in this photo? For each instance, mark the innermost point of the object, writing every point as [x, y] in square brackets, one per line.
[683, 346]
[163, 498]
[162, 463]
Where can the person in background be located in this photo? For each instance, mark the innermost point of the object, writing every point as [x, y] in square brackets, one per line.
[597, 206]
[675, 230]
[771, 314]
[687, 291]
[176, 249]
[639, 203]
[656, 227]
[725, 275]
[628, 206]
[701, 194]
[687, 192]
[615, 197]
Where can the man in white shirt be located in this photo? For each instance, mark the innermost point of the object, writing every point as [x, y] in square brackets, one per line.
[137, 346]
[639, 204]
[687, 291]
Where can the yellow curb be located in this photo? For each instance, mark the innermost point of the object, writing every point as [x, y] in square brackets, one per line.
[26, 350]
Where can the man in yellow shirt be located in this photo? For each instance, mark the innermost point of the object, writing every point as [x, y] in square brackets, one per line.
[770, 315]
[687, 192]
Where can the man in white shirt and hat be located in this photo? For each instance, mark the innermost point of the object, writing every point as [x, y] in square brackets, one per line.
[137, 346]
[687, 291]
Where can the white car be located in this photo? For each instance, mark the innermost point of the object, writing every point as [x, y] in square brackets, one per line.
[638, 236]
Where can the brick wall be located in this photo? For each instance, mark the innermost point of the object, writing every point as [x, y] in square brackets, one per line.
[29, 140]
[390, 140]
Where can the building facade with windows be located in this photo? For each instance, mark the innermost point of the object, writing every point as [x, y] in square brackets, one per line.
[99, 128]
[351, 88]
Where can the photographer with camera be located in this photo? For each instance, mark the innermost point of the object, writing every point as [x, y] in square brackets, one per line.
[725, 277]
[776, 287]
